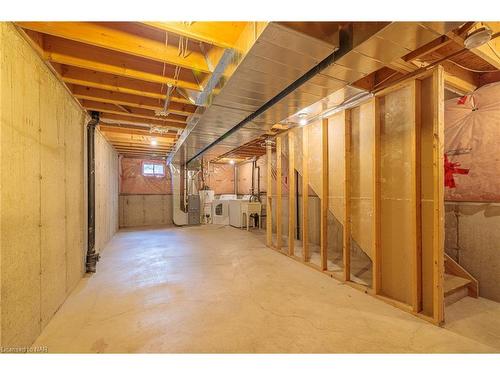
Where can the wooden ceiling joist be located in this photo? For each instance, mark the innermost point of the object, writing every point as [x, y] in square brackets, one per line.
[62, 58]
[128, 100]
[134, 146]
[104, 81]
[144, 116]
[100, 35]
[220, 34]
[123, 130]
[138, 145]
[428, 48]
[137, 121]
[138, 151]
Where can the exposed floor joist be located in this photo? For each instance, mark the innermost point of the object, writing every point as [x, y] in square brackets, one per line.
[105, 36]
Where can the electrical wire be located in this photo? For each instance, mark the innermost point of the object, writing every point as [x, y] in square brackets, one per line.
[473, 70]
[385, 79]
[164, 67]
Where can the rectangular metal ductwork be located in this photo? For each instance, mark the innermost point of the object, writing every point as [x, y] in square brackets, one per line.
[283, 53]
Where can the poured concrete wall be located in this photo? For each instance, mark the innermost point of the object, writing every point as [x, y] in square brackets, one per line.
[42, 191]
[472, 238]
[145, 209]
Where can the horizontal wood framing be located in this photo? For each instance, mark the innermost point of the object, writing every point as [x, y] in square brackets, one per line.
[128, 100]
[103, 81]
[221, 34]
[105, 36]
[416, 278]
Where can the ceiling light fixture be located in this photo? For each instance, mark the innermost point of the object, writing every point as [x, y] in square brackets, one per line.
[154, 142]
[478, 37]
[302, 119]
[231, 161]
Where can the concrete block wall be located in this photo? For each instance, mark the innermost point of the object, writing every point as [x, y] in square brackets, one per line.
[42, 191]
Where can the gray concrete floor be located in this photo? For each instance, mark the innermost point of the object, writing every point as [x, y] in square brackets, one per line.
[219, 289]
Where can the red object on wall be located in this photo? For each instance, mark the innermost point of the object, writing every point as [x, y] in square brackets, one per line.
[449, 170]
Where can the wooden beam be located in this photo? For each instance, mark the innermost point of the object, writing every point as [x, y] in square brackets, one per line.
[113, 39]
[438, 196]
[269, 199]
[416, 277]
[121, 130]
[124, 148]
[105, 81]
[305, 194]
[291, 193]
[139, 146]
[486, 78]
[135, 120]
[145, 155]
[144, 116]
[377, 262]
[111, 97]
[220, 34]
[459, 78]
[347, 196]
[324, 196]
[139, 139]
[428, 48]
[88, 63]
[279, 182]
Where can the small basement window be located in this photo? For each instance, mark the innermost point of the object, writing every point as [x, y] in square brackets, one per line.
[153, 169]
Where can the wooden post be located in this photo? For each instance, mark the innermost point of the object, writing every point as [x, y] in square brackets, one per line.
[269, 191]
[324, 196]
[291, 193]
[438, 195]
[376, 263]
[305, 194]
[347, 196]
[416, 279]
[279, 185]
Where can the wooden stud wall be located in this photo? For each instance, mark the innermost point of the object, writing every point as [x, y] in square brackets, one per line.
[291, 193]
[324, 196]
[376, 199]
[305, 194]
[422, 121]
[438, 194]
[347, 197]
[269, 211]
[279, 184]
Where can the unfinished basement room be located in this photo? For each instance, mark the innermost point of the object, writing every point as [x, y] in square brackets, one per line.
[250, 186]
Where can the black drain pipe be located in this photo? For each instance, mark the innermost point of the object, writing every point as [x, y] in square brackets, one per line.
[92, 256]
[346, 42]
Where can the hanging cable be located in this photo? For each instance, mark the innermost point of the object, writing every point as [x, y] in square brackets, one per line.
[473, 70]
[494, 51]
